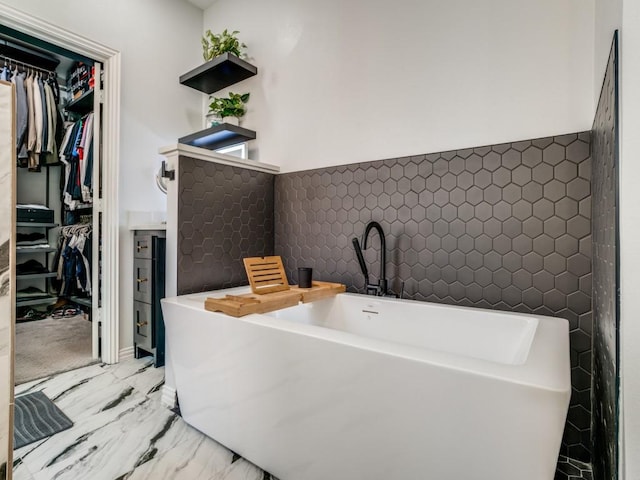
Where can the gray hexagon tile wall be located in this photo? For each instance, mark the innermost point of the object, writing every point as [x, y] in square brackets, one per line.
[504, 227]
[605, 227]
[225, 213]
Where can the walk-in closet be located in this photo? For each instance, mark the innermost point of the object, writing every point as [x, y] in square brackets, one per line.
[57, 212]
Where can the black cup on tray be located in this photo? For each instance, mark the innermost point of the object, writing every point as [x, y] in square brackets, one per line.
[304, 277]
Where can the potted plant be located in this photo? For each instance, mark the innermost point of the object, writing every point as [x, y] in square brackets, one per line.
[214, 45]
[228, 109]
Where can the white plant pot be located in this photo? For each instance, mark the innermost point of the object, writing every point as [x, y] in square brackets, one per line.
[211, 120]
[232, 121]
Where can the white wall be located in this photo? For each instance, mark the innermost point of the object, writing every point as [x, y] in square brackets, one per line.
[625, 15]
[629, 234]
[347, 81]
[608, 18]
[159, 40]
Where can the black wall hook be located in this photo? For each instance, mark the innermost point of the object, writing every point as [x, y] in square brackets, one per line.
[170, 174]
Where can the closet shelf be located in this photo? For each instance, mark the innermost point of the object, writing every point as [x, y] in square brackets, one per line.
[23, 250]
[36, 301]
[81, 301]
[82, 104]
[219, 136]
[36, 275]
[223, 71]
[34, 224]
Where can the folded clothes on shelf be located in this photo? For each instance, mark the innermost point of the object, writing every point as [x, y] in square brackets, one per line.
[33, 238]
[30, 267]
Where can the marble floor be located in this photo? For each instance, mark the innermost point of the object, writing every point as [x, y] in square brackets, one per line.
[121, 431]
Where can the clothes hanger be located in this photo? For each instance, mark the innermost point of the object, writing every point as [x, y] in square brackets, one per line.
[76, 229]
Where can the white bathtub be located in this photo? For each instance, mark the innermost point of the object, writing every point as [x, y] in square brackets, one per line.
[358, 387]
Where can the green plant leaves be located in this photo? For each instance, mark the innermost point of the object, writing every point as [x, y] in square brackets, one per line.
[231, 106]
[214, 45]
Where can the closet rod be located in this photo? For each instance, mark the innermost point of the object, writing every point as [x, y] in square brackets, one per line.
[24, 64]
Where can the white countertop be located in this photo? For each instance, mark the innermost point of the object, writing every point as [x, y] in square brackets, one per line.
[215, 157]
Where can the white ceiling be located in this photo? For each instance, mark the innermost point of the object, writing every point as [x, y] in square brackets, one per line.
[203, 4]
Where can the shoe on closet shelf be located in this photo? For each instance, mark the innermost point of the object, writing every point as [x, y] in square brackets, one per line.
[30, 314]
[66, 312]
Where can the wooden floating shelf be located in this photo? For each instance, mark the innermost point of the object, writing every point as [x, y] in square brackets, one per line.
[221, 72]
[219, 136]
[241, 305]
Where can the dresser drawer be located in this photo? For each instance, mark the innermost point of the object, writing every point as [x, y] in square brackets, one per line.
[143, 324]
[149, 254]
[142, 280]
[142, 246]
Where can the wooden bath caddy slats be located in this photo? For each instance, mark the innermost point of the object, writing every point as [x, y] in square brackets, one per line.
[266, 274]
[241, 305]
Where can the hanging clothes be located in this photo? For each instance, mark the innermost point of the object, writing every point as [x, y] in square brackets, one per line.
[22, 113]
[76, 153]
[37, 105]
[51, 151]
[31, 129]
[39, 123]
[44, 131]
[73, 267]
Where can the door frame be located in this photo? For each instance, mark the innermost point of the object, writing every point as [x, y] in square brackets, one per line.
[108, 205]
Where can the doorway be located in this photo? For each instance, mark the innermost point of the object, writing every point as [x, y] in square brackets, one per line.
[104, 307]
[58, 185]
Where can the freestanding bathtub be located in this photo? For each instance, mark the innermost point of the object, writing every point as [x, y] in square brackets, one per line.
[359, 387]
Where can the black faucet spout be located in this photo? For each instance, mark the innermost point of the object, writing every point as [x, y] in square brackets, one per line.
[382, 283]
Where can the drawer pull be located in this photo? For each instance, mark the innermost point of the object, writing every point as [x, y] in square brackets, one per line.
[142, 324]
[142, 247]
[142, 280]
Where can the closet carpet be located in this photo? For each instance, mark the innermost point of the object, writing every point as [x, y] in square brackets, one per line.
[52, 345]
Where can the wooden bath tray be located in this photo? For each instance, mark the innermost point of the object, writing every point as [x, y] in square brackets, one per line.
[319, 291]
[241, 305]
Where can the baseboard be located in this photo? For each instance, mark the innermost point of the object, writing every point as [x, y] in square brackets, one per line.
[169, 396]
[125, 354]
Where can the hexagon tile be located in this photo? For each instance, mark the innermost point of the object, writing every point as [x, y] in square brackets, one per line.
[506, 227]
[606, 306]
[225, 213]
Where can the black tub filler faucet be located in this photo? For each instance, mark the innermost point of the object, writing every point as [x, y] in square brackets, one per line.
[372, 289]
